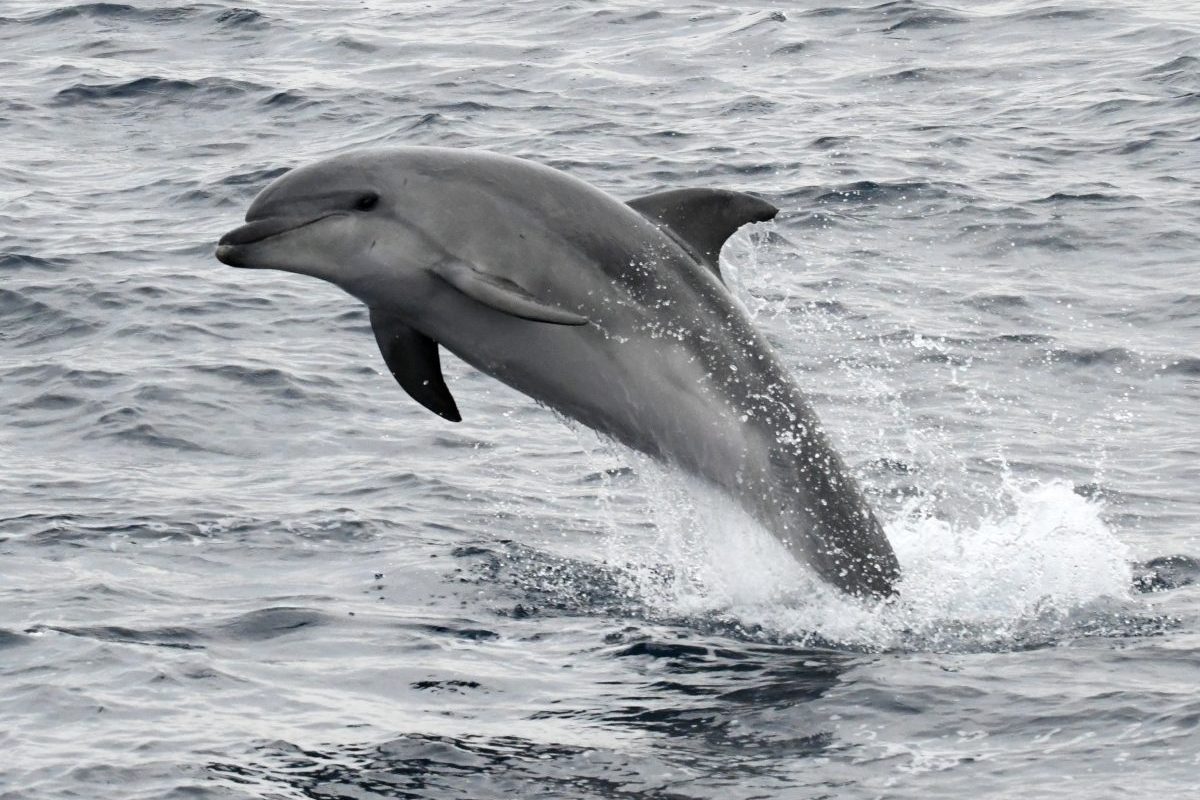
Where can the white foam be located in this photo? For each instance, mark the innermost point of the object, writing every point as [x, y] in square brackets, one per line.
[1045, 559]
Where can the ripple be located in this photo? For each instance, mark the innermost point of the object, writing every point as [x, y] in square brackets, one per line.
[1166, 573]
[791, 49]
[19, 261]
[123, 425]
[271, 623]
[454, 686]
[872, 192]
[278, 385]
[113, 11]
[1023, 338]
[1058, 13]
[750, 106]
[1181, 71]
[1062, 198]
[921, 75]
[998, 302]
[256, 178]
[28, 321]
[1182, 366]
[50, 374]
[467, 105]
[288, 98]
[464, 767]
[1084, 357]
[916, 16]
[355, 45]
[51, 401]
[176, 637]
[457, 632]
[11, 639]
[154, 88]
[242, 18]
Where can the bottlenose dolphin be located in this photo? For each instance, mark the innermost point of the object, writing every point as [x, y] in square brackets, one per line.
[612, 313]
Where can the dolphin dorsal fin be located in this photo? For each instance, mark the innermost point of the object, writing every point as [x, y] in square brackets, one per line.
[702, 219]
[501, 294]
[413, 360]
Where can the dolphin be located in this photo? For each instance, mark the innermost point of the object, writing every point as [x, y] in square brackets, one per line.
[611, 313]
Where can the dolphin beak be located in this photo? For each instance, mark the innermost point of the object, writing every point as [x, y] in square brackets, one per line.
[230, 254]
[232, 246]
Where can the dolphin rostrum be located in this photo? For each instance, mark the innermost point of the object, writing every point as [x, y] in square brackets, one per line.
[612, 313]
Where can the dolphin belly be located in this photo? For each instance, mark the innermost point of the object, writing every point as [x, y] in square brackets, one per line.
[652, 401]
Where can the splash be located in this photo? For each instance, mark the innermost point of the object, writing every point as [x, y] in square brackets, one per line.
[1052, 552]
[988, 561]
[1025, 563]
[1028, 575]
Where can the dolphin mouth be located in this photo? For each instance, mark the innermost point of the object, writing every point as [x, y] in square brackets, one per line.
[259, 230]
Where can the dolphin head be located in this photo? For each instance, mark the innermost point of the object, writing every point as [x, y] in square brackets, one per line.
[341, 220]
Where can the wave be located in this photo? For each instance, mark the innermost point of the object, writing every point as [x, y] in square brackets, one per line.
[876, 192]
[1166, 573]
[242, 17]
[914, 16]
[996, 302]
[235, 17]
[278, 383]
[176, 637]
[28, 321]
[1060, 198]
[52, 374]
[1089, 357]
[1182, 72]
[18, 261]
[255, 626]
[112, 11]
[271, 623]
[1023, 338]
[925, 75]
[1055, 236]
[898, 15]
[1182, 366]
[154, 88]
[471, 765]
[126, 425]
[273, 533]
[255, 177]
[1057, 13]
[49, 401]
[1120, 357]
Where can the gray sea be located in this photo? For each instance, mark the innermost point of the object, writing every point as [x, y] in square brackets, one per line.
[237, 561]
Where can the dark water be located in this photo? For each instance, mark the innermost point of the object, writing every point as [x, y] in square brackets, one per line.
[236, 561]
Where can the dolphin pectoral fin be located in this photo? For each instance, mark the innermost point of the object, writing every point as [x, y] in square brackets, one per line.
[702, 219]
[413, 360]
[501, 294]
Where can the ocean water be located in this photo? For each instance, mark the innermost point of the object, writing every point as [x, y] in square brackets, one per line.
[237, 561]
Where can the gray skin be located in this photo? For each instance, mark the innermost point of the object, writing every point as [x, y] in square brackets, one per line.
[613, 314]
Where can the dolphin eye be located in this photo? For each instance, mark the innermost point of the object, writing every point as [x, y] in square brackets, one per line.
[367, 201]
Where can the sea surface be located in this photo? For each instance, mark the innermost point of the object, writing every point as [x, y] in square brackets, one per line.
[237, 561]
